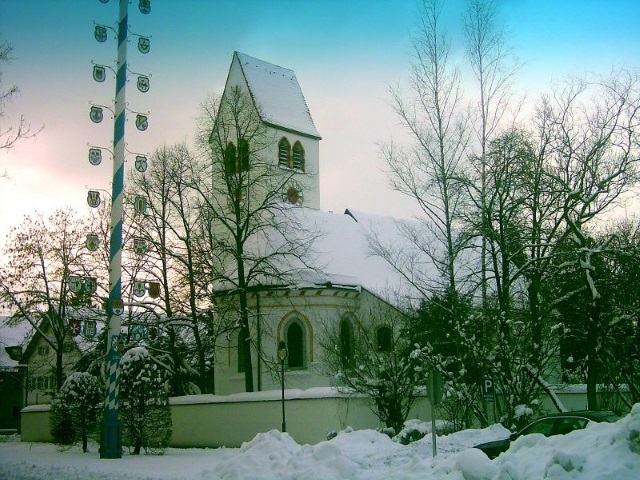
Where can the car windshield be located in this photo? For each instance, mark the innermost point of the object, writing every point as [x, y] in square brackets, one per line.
[544, 426]
[566, 425]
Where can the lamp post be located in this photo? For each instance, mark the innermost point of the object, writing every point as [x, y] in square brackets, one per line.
[282, 356]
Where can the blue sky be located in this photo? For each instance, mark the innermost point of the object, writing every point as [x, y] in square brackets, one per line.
[346, 54]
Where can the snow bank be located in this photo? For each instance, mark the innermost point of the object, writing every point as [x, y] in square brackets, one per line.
[600, 452]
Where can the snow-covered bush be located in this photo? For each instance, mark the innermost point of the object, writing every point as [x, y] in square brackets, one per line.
[144, 403]
[413, 431]
[76, 410]
[523, 415]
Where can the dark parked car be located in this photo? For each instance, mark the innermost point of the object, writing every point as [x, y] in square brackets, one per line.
[553, 424]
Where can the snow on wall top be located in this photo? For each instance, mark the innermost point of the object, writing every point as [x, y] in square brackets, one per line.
[277, 95]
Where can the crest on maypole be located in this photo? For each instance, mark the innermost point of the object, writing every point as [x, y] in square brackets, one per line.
[100, 33]
[92, 242]
[141, 163]
[142, 122]
[139, 288]
[95, 156]
[99, 73]
[144, 45]
[143, 83]
[93, 198]
[139, 246]
[75, 284]
[140, 204]
[96, 114]
[144, 6]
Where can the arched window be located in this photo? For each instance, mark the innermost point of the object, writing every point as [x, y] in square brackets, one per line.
[241, 348]
[230, 159]
[346, 343]
[295, 345]
[284, 152]
[243, 155]
[383, 339]
[298, 156]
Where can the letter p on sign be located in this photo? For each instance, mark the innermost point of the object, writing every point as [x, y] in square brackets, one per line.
[488, 390]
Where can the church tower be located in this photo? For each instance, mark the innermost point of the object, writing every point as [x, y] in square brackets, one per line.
[278, 99]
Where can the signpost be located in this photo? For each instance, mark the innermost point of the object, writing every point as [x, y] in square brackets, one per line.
[488, 390]
[435, 396]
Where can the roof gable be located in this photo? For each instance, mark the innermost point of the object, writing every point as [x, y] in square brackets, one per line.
[277, 95]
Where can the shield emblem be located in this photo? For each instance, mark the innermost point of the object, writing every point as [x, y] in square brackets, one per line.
[75, 284]
[144, 6]
[95, 156]
[143, 84]
[153, 333]
[100, 33]
[90, 285]
[141, 163]
[117, 306]
[139, 288]
[92, 242]
[89, 328]
[154, 289]
[95, 114]
[74, 327]
[137, 333]
[144, 44]
[99, 73]
[142, 122]
[140, 204]
[93, 198]
[139, 246]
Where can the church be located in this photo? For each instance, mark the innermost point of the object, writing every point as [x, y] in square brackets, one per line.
[348, 286]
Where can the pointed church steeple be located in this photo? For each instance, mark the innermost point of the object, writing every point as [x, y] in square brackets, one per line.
[278, 99]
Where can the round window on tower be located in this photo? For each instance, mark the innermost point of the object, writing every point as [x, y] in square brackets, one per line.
[293, 195]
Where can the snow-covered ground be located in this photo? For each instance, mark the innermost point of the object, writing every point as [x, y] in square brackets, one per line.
[600, 452]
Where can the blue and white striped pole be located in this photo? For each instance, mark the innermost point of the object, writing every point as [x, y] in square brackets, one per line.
[111, 441]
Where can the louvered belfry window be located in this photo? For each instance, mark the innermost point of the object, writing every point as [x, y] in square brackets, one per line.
[284, 152]
[230, 159]
[243, 155]
[298, 156]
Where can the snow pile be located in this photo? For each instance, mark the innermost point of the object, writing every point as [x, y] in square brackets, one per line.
[600, 452]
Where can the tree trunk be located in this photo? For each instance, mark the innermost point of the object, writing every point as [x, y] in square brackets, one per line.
[592, 360]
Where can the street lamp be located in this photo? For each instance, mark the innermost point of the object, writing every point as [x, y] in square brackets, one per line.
[282, 356]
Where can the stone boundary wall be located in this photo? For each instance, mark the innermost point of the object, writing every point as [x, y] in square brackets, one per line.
[230, 420]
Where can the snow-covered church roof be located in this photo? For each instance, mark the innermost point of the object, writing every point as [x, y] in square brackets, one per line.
[341, 254]
[277, 95]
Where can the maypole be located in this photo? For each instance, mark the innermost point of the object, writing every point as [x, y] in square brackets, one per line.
[111, 442]
[111, 439]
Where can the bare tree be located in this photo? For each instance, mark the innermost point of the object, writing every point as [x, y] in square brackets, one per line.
[494, 70]
[430, 170]
[11, 134]
[42, 256]
[171, 229]
[255, 239]
[592, 150]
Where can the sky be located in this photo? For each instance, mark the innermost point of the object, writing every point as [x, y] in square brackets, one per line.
[600, 452]
[346, 55]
